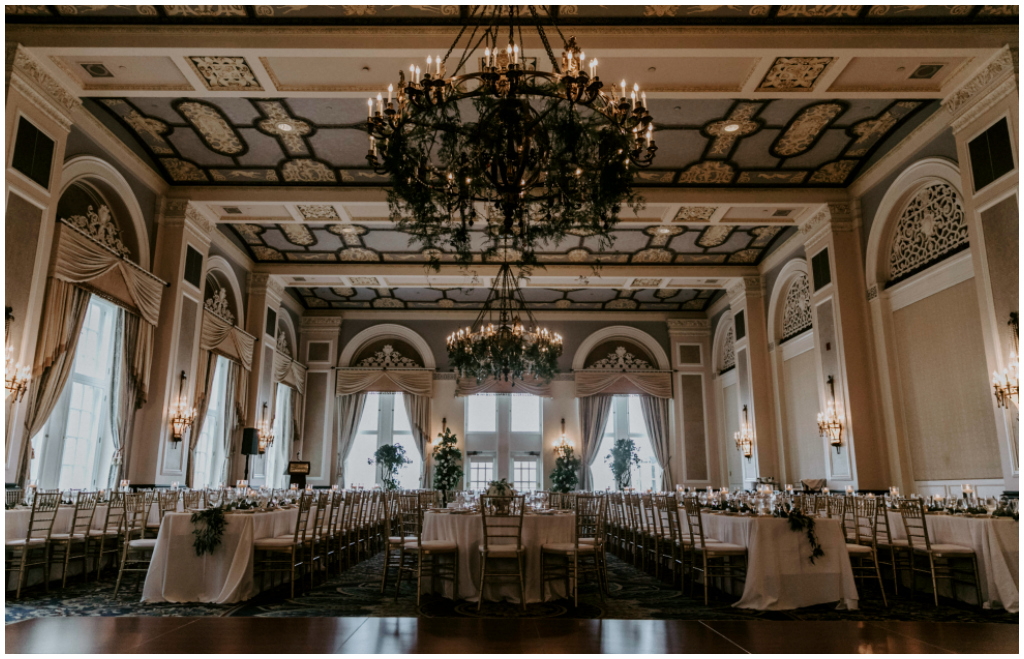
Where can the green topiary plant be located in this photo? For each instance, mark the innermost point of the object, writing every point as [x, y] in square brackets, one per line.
[390, 457]
[622, 457]
[565, 476]
[447, 464]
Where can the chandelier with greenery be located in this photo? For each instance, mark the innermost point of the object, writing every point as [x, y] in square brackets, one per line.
[504, 341]
[529, 155]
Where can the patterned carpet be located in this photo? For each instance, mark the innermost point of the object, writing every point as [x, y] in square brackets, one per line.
[632, 595]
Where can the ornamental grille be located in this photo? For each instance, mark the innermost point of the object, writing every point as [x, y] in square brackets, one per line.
[729, 351]
[796, 313]
[933, 226]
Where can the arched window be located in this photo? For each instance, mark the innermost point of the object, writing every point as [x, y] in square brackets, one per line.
[728, 357]
[796, 311]
[931, 227]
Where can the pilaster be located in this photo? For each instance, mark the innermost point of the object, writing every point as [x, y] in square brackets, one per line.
[264, 307]
[696, 456]
[319, 338]
[181, 228]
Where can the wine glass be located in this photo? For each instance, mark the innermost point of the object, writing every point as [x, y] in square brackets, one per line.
[991, 504]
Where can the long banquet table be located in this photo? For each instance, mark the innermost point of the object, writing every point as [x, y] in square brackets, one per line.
[466, 530]
[225, 576]
[996, 543]
[780, 575]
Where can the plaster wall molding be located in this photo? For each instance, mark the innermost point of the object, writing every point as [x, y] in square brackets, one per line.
[989, 76]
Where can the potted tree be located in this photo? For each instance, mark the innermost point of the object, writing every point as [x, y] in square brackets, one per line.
[390, 457]
[447, 464]
[622, 457]
[565, 476]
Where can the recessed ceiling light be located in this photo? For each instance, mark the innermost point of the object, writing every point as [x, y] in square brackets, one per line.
[731, 128]
[664, 230]
[286, 127]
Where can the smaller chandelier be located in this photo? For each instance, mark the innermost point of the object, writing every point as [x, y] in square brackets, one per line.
[1005, 385]
[265, 429]
[563, 446]
[16, 376]
[499, 344]
[745, 437]
[182, 416]
[830, 426]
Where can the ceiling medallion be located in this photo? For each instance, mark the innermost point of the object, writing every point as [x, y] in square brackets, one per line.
[505, 342]
[542, 153]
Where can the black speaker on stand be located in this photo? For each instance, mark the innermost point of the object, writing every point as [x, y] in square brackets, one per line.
[250, 446]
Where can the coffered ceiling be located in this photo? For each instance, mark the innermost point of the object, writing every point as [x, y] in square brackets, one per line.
[762, 113]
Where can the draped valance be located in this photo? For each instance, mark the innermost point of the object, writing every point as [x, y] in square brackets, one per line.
[83, 260]
[223, 338]
[641, 382]
[531, 386]
[415, 381]
[289, 372]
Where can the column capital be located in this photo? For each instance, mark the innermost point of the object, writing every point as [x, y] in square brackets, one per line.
[320, 325]
[835, 216]
[994, 81]
[263, 284]
[183, 213]
[696, 327]
[30, 79]
[744, 287]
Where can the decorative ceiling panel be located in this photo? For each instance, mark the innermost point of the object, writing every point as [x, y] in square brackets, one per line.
[539, 298]
[353, 243]
[567, 14]
[322, 141]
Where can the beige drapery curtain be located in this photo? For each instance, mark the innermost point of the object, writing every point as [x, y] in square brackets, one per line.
[644, 383]
[207, 369]
[347, 411]
[415, 381]
[531, 386]
[223, 338]
[289, 372]
[655, 411]
[63, 316]
[127, 392]
[234, 418]
[594, 411]
[417, 408]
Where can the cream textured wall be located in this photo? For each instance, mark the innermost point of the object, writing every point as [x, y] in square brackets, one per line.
[731, 398]
[946, 394]
[805, 457]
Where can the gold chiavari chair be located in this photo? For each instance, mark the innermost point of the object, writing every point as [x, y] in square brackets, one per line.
[419, 557]
[636, 528]
[137, 549]
[887, 548]
[108, 537]
[23, 554]
[284, 554]
[502, 519]
[942, 558]
[331, 530]
[353, 511]
[395, 540]
[673, 549]
[652, 531]
[193, 499]
[15, 496]
[835, 508]
[314, 535]
[716, 558]
[568, 561]
[77, 536]
[863, 550]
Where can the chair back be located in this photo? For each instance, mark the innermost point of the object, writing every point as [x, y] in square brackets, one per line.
[666, 511]
[323, 504]
[589, 517]
[912, 511]
[636, 522]
[349, 510]
[115, 513]
[410, 516]
[192, 499]
[15, 496]
[652, 523]
[302, 519]
[85, 508]
[426, 499]
[44, 511]
[882, 523]
[334, 513]
[136, 512]
[835, 507]
[693, 520]
[168, 502]
[865, 520]
[502, 519]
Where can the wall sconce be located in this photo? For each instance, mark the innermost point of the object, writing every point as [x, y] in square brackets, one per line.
[16, 376]
[182, 416]
[745, 437]
[265, 428]
[563, 445]
[1006, 386]
[829, 424]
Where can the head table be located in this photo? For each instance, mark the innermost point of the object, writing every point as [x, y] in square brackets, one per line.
[780, 575]
[466, 530]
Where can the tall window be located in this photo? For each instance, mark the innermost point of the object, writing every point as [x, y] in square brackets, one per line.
[384, 421]
[627, 420]
[278, 454]
[209, 453]
[78, 446]
[503, 440]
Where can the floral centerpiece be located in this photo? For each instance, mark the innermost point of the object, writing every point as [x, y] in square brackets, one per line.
[501, 488]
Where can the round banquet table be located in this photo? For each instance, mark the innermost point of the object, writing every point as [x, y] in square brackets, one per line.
[176, 574]
[996, 543]
[780, 575]
[467, 531]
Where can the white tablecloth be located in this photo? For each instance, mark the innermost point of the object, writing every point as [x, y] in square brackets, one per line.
[467, 531]
[780, 575]
[176, 574]
[995, 542]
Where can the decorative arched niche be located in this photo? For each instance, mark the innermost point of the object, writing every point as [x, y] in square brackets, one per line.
[725, 344]
[622, 360]
[386, 358]
[790, 308]
[222, 294]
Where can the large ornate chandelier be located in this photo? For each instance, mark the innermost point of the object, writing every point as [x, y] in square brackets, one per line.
[534, 155]
[505, 342]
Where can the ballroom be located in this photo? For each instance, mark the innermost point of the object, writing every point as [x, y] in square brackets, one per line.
[512, 328]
